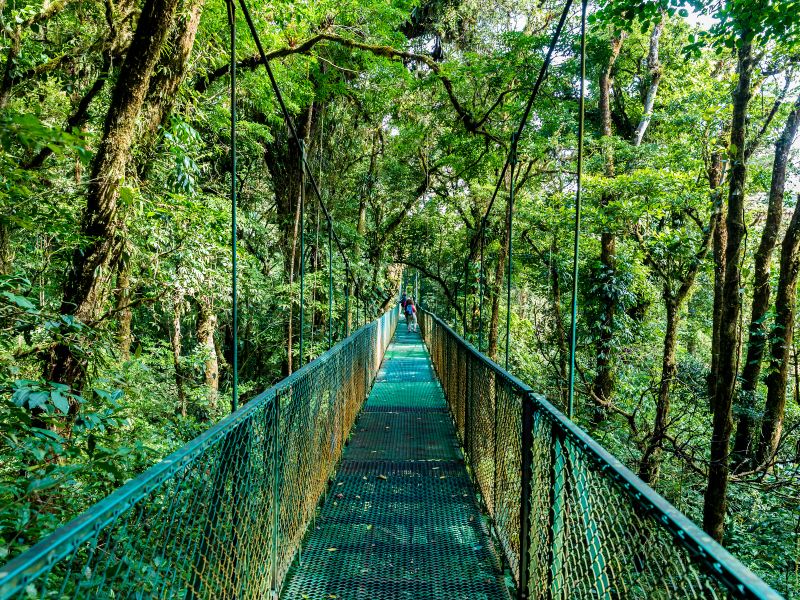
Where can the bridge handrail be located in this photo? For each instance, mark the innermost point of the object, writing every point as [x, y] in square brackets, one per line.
[81, 537]
[721, 570]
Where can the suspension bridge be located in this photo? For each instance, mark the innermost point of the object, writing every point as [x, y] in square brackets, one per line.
[387, 468]
[393, 466]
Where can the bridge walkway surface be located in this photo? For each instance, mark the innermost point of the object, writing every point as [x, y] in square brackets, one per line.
[401, 519]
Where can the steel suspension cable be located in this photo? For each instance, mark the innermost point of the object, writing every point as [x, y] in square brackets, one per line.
[330, 286]
[510, 227]
[576, 244]
[516, 136]
[234, 266]
[302, 246]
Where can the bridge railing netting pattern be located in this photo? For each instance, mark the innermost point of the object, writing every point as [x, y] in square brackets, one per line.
[570, 519]
[224, 516]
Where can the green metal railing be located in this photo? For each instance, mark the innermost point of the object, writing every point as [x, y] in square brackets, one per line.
[570, 519]
[224, 516]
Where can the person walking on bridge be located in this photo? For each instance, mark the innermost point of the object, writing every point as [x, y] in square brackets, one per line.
[411, 315]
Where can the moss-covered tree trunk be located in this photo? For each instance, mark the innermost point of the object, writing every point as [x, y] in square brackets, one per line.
[782, 335]
[494, 289]
[6, 250]
[167, 77]
[603, 385]
[715, 505]
[757, 341]
[720, 241]
[206, 328]
[176, 342]
[87, 282]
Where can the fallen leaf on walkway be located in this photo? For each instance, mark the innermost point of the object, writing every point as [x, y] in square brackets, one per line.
[383, 477]
[331, 549]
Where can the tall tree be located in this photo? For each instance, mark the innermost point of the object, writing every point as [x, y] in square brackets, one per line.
[715, 505]
[603, 385]
[743, 443]
[88, 280]
[781, 335]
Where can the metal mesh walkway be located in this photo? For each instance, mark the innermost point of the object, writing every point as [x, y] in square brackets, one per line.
[400, 520]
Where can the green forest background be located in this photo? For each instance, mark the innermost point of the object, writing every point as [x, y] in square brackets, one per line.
[115, 303]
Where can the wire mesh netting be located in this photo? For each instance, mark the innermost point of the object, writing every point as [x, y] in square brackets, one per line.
[224, 516]
[401, 521]
[571, 520]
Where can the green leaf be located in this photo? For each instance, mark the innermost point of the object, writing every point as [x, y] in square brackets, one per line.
[37, 399]
[59, 401]
[20, 301]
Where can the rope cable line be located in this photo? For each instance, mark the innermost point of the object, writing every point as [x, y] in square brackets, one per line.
[302, 246]
[576, 243]
[234, 267]
[510, 228]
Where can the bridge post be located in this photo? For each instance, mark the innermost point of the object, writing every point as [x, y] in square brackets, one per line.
[557, 491]
[525, 501]
[302, 249]
[276, 429]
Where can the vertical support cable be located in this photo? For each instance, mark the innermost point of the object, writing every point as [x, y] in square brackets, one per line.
[480, 287]
[525, 501]
[347, 305]
[234, 266]
[330, 285]
[466, 286]
[276, 498]
[513, 163]
[302, 247]
[576, 246]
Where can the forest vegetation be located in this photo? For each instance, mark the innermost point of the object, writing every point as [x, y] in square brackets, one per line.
[116, 339]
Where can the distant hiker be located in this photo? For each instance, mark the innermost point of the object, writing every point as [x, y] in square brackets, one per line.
[403, 301]
[411, 315]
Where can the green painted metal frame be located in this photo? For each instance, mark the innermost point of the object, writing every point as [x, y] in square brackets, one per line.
[701, 565]
[57, 556]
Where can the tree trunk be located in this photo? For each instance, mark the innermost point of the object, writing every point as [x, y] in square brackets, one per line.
[206, 327]
[87, 281]
[715, 505]
[720, 241]
[125, 314]
[603, 385]
[673, 302]
[167, 77]
[558, 320]
[175, 341]
[785, 301]
[290, 319]
[497, 284]
[742, 447]
[650, 462]
[655, 72]
[283, 159]
[6, 251]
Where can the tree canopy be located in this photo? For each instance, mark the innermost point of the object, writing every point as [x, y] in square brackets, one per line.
[116, 339]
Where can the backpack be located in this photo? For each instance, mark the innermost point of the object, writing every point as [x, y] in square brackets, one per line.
[409, 309]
